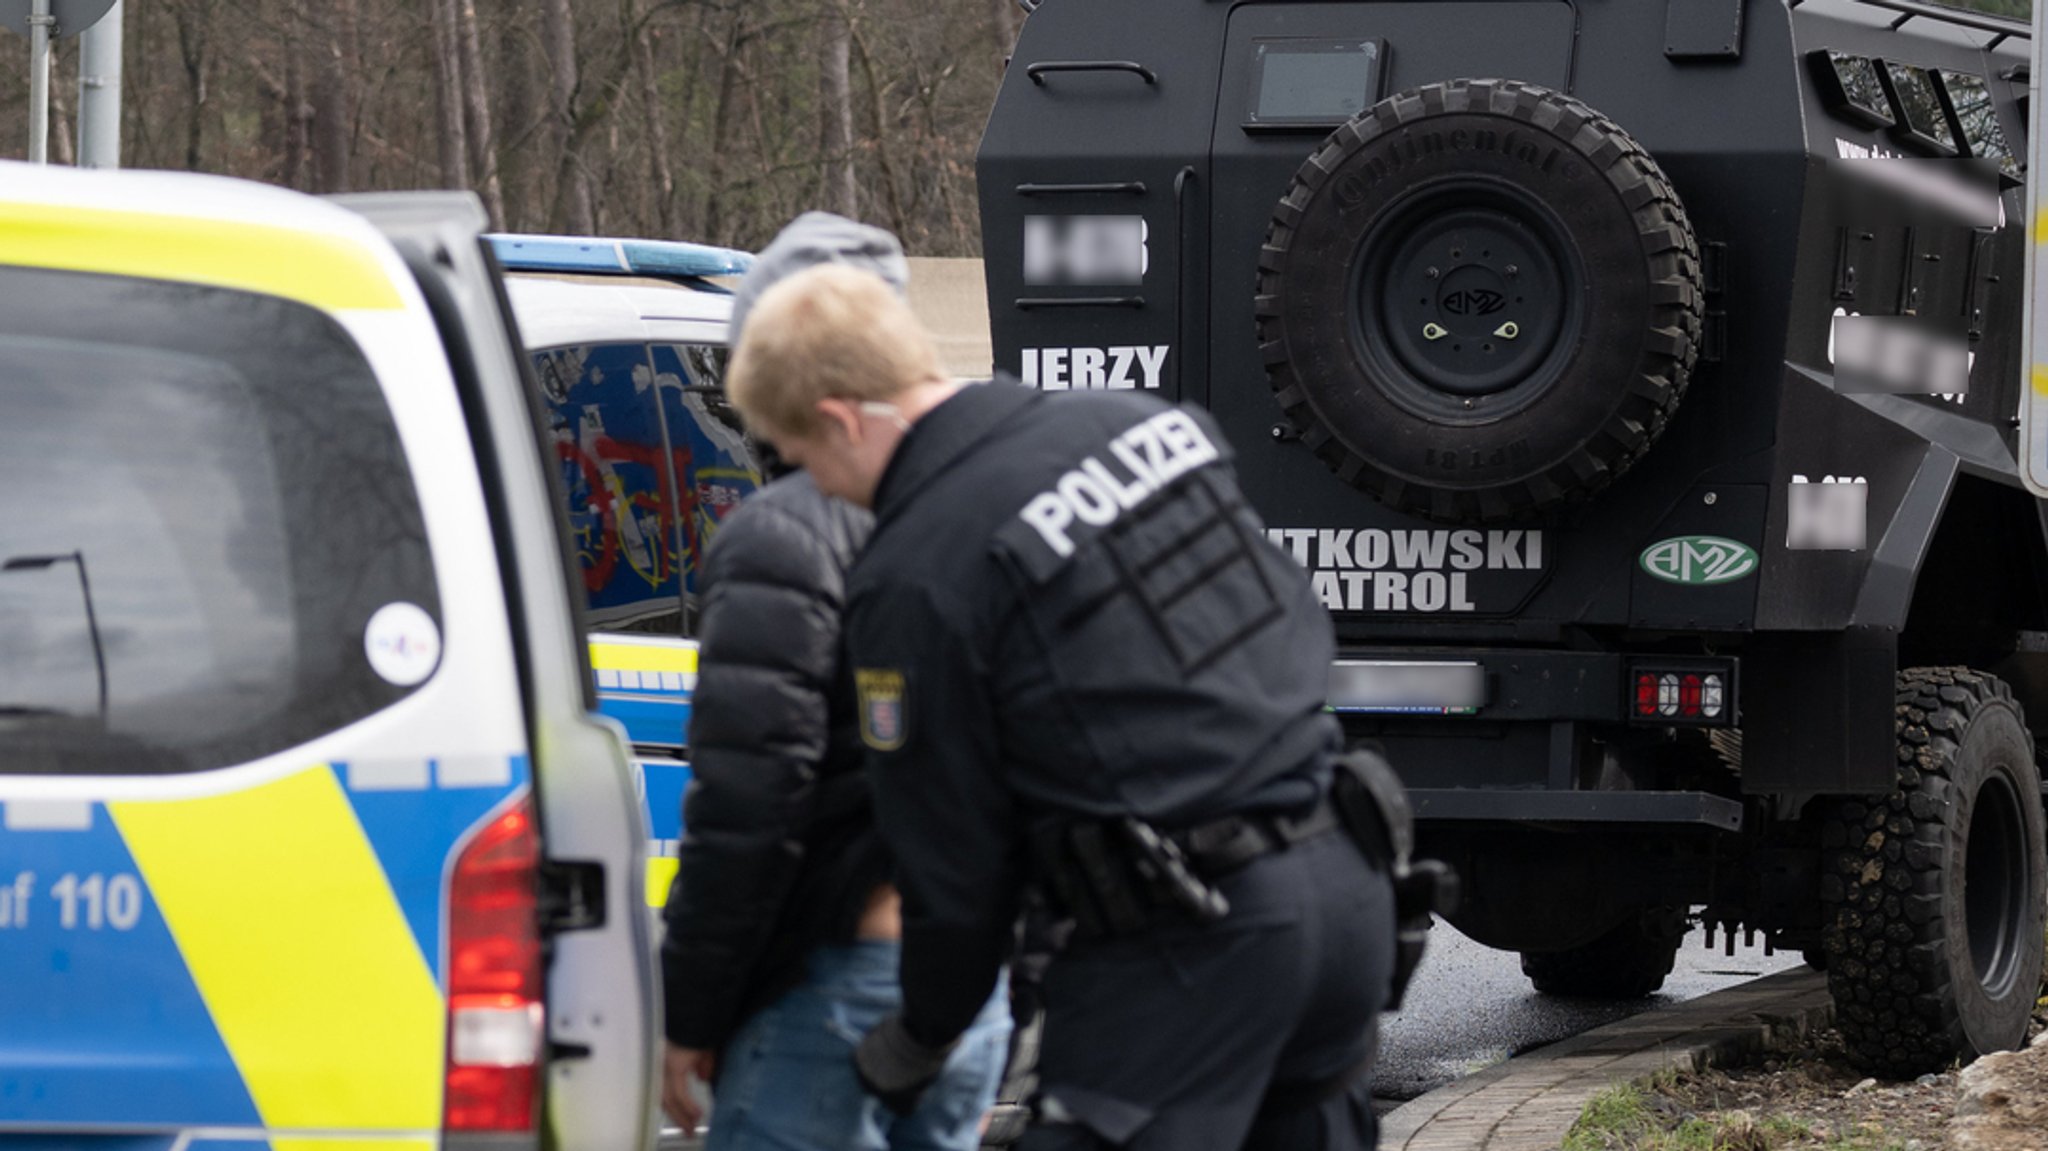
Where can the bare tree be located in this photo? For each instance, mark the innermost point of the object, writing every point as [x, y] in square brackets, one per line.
[518, 113]
[61, 126]
[835, 110]
[448, 90]
[729, 66]
[898, 221]
[705, 119]
[660, 174]
[195, 29]
[331, 97]
[573, 210]
[476, 100]
[1003, 26]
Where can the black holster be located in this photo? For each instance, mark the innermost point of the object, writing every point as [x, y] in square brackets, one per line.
[1373, 805]
[1119, 877]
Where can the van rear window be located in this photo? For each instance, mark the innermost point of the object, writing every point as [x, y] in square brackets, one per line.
[203, 501]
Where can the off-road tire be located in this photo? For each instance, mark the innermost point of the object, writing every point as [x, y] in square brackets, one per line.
[1933, 896]
[1628, 962]
[1506, 435]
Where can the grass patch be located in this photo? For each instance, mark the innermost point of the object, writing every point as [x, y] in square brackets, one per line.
[1630, 1118]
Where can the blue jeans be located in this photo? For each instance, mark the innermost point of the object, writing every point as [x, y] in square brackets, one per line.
[786, 1082]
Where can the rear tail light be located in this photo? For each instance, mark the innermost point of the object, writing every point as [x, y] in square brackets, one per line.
[1693, 693]
[494, 974]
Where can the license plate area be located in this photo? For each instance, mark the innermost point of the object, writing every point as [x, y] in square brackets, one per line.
[1407, 687]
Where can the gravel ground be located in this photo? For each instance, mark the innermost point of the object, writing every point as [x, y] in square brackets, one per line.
[1815, 1086]
[1809, 1096]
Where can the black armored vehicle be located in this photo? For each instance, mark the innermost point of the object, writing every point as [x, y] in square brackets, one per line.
[1637, 381]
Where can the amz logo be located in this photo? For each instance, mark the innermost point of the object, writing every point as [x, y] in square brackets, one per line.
[1474, 302]
[1699, 560]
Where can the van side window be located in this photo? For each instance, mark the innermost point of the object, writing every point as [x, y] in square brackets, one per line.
[203, 503]
[619, 467]
[716, 466]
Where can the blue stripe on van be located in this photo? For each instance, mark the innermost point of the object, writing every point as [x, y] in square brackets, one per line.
[665, 783]
[414, 832]
[111, 980]
[652, 720]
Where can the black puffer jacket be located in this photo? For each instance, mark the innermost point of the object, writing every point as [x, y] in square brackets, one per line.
[779, 849]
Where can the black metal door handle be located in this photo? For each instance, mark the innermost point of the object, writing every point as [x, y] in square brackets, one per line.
[1037, 71]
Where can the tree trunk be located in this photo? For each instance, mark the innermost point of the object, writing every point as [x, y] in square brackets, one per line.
[61, 127]
[573, 211]
[476, 99]
[721, 125]
[299, 113]
[194, 26]
[659, 172]
[453, 137]
[898, 221]
[1003, 26]
[274, 123]
[835, 110]
[331, 104]
[519, 117]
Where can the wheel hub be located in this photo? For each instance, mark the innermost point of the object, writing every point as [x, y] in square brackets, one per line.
[1471, 302]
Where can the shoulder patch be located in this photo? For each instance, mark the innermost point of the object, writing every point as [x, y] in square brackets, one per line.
[884, 720]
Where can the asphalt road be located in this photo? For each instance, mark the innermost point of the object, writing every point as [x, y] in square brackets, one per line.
[1470, 1007]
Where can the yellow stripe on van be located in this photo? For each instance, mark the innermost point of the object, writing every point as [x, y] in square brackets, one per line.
[292, 933]
[323, 1143]
[643, 657]
[661, 872]
[325, 271]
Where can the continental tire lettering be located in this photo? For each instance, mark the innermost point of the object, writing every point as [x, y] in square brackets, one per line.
[1153, 453]
[1450, 460]
[1419, 147]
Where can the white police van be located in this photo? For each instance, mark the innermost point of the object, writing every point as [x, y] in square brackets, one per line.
[627, 342]
[310, 834]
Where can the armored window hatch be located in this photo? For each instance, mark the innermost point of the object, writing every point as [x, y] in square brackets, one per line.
[1312, 83]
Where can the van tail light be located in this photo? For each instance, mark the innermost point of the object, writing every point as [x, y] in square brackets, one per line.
[494, 977]
[1692, 693]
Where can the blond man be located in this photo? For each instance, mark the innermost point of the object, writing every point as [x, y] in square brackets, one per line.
[1083, 673]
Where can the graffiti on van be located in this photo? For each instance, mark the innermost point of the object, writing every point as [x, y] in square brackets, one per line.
[648, 481]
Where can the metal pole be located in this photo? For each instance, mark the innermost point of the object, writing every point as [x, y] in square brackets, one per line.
[92, 627]
[99, 92]
[39, 24]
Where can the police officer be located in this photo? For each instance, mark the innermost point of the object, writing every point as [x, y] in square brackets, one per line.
[1082, 673]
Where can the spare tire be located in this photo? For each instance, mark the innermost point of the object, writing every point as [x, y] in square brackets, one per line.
[1479, 300]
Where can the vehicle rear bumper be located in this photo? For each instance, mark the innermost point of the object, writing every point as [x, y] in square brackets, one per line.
[1605, 808]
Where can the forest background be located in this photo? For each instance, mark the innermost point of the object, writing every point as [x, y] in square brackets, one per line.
[708, 120]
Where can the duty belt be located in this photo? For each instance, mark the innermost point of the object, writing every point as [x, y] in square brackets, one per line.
[1222, 846]
[1119, 877]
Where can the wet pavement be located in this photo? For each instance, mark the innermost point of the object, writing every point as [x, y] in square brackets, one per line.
[1470, 1007]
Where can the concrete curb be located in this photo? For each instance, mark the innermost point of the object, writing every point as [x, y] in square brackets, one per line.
[1529, 1102]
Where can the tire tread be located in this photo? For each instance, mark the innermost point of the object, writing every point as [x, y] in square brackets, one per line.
[1671, 251]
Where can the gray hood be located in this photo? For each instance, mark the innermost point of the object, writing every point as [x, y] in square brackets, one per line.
[818, 238]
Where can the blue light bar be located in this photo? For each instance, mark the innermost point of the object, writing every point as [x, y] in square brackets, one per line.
[594, 256]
